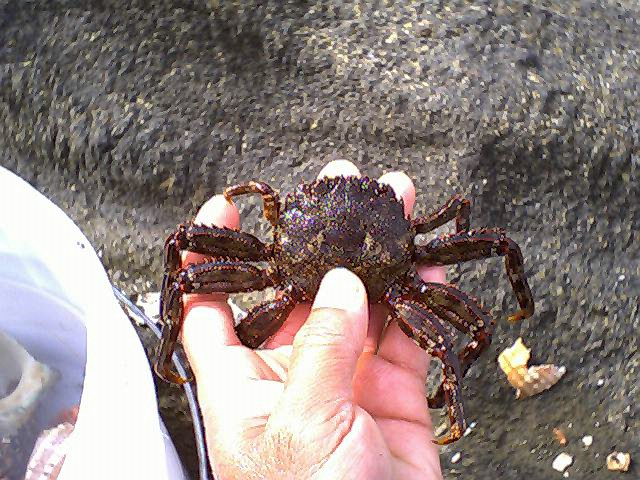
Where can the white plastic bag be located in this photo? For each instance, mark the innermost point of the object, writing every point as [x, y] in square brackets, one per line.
[56, 300]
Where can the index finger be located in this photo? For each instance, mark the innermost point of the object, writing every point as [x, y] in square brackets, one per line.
[208, 318]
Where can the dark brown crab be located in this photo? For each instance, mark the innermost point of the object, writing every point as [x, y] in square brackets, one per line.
[355, 223]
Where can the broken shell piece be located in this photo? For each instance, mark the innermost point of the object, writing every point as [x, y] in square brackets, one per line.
[560, 436]
[23, 380]
[527, 380]
[539, 378]
[49, 453]
[562, 462]
[471, 426]
[618, 461]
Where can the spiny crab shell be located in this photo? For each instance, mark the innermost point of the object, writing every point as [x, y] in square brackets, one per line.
[351, 222]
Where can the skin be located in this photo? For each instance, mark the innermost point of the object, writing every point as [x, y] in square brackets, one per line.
[332, 395]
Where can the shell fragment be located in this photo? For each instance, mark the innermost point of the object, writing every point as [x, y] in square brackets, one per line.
[527, 380]
[562, 462]
[49, 453]
[23, 381]
[560, 436]
[618, 461]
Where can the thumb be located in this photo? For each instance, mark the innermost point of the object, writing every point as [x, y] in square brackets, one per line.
[327, 347]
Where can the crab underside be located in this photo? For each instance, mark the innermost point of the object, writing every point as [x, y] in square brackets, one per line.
[355, 223]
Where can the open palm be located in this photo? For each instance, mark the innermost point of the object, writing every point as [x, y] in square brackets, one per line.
[333, 394]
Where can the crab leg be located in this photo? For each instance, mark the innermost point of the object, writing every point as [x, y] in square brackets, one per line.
[263, 320]
[477, 244]
[465, 314]
[270, 198]
[457, 207]
[423, 327]
[212, 241]
[224, 276]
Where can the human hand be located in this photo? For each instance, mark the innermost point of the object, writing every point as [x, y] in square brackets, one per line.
[329, 396]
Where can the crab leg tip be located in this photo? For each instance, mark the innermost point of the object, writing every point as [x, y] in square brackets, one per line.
[446, 440]
[454, 435]
[519, 315]
[171, 377]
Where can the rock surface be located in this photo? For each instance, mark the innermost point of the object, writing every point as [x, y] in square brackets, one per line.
[130, 114]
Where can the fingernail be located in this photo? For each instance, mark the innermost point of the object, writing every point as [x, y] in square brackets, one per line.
[403, 188]
[217, 211]
[339, 168]
[341, 289]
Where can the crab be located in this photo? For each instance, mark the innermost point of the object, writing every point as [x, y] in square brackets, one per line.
[356, 223]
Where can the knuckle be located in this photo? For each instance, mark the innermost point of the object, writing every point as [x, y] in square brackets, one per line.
[324, 327]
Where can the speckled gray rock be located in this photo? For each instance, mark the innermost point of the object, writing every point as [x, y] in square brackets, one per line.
[130, 115]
